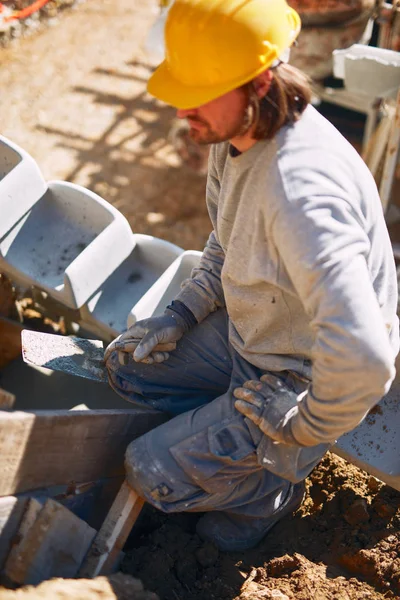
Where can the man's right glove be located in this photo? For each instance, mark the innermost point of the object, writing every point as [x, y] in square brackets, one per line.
[151, 340]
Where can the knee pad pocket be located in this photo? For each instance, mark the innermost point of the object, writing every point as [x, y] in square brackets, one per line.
[217, 453]
[145, 475]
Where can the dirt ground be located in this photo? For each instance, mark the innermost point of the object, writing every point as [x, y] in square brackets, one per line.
[123, 587]
[342, 544]
[73, 95]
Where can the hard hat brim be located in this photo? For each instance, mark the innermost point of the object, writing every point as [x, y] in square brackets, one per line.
[167, 88]
[164, 86]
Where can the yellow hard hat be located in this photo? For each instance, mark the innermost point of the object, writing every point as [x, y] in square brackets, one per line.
[214, 46]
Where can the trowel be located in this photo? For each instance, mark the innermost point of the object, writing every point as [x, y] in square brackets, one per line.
[74, 355]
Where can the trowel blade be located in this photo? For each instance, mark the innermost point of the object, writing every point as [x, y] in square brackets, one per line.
[73, 355]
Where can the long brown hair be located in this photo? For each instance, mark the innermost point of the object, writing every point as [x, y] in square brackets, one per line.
[288, 97]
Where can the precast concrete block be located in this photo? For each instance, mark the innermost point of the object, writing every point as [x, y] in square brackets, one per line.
[369, 71]
[107, 311]
[67, 244]
[166, 288]
[373, 445]
[21, 184]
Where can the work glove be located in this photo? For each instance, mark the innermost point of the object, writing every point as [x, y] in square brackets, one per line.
[150, 340]
[270, 404]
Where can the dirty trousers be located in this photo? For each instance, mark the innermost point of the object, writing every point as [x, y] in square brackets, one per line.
[208, 456]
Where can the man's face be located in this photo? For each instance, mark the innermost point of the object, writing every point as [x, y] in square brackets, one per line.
[219, 120]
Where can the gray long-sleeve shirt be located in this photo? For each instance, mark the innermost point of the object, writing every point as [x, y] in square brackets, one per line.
[301, 258]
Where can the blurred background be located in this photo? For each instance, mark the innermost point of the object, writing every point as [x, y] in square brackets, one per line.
[73, 77]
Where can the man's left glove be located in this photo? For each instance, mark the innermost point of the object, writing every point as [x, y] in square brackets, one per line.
[269, 404]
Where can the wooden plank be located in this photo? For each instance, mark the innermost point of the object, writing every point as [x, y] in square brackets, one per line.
[113, 533]
[6, 400]
[53, 543]
[56, 447]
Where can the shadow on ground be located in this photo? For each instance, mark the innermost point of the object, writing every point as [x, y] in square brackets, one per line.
[133, 165]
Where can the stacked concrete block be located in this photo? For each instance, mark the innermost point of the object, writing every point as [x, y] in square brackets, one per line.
[166, 288]
[108, 309]
[21, 184]
[67, 243]
[75, 247]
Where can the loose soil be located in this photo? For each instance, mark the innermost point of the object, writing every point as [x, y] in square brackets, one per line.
[342, 544]
[118, 586]
[73, 96]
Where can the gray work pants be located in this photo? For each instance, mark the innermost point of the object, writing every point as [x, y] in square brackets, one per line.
[208, 456]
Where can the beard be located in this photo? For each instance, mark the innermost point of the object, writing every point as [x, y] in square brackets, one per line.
[206, 135]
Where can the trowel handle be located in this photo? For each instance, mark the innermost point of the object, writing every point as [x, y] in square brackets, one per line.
[131, 346]
[126, 348]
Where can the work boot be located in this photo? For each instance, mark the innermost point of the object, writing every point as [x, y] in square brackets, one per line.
[233, 533]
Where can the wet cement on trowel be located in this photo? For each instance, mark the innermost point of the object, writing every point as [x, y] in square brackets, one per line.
[75, 356]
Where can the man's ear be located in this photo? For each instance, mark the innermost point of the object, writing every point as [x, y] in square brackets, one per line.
[262, 83]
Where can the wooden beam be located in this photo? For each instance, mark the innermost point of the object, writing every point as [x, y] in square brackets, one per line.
[113, 533]
[56, 447]
[52, 543]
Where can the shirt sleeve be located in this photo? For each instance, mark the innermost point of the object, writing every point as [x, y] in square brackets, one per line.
[203, 293]
[324, 249]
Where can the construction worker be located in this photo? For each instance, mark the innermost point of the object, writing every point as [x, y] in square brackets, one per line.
[287, 331]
